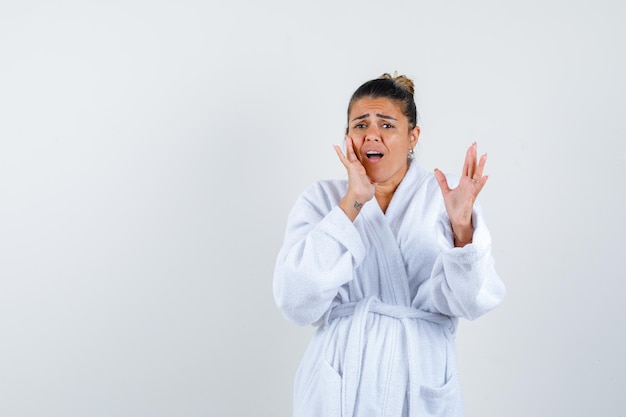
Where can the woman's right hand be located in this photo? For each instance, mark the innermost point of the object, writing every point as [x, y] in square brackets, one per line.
[360, 188]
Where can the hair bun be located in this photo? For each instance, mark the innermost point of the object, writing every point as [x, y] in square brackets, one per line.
[402, 80]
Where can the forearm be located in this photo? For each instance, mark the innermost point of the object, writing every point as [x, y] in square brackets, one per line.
[463, 281]
[351, 206]
[314, 263]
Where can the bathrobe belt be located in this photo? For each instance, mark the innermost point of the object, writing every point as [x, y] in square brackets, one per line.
[354, 349]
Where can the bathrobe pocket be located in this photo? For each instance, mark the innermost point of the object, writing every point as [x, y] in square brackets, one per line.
[322, 396]
[443, 401]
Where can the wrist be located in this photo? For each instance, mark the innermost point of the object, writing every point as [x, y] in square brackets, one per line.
[463, 235]
[351, 206]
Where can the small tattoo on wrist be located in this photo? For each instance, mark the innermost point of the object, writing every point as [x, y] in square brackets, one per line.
[357, 205]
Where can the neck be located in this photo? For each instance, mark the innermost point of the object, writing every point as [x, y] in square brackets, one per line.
[384, 194]
[385, 190]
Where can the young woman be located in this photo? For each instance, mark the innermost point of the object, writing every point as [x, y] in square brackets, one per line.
[384, 264]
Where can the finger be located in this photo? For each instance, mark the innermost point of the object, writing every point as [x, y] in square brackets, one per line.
[341, 156]
[351, 155]
[470, 161]
[474, 159]
[481, 166]
[442, 181]
[481, 184]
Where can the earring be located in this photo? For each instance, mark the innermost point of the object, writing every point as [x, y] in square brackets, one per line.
[411, 154]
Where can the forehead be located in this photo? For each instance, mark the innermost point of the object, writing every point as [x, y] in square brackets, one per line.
[375, 106]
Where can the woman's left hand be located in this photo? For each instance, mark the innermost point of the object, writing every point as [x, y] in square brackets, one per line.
[459, 201]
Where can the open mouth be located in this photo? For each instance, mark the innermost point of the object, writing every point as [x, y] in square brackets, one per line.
[374, 155]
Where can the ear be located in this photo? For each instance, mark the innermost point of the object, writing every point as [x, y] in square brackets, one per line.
[414, 135]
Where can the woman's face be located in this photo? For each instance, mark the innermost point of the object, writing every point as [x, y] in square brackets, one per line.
[382, 139]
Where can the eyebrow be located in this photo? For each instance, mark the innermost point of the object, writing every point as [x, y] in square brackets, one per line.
[382, 116]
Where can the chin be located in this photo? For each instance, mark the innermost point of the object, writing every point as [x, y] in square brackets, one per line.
[376, 178]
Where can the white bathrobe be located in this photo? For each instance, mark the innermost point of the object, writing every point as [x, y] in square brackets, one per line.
[386, 292]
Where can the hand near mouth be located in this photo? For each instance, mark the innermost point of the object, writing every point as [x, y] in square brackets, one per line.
[360, 188]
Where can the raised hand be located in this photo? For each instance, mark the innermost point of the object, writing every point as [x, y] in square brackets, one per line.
[459, 201]
[360, 188]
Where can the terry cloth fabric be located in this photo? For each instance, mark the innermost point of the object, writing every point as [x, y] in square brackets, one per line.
[386, 293]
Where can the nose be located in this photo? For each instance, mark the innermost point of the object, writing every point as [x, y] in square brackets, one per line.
[372, 134]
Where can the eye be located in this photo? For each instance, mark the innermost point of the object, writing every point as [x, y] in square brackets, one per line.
[387, 126]
[359, 126]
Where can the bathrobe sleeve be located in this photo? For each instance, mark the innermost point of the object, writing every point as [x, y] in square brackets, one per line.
[463, 282]
[320, 252]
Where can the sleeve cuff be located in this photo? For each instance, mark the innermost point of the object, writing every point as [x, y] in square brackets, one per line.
[481, 239]
[338, 226]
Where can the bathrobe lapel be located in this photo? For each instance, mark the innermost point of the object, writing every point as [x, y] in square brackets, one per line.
[383, 231]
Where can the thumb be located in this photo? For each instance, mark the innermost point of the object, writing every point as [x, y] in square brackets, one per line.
[442, 181]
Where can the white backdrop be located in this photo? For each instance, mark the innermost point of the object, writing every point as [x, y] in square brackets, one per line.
[150, 152]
